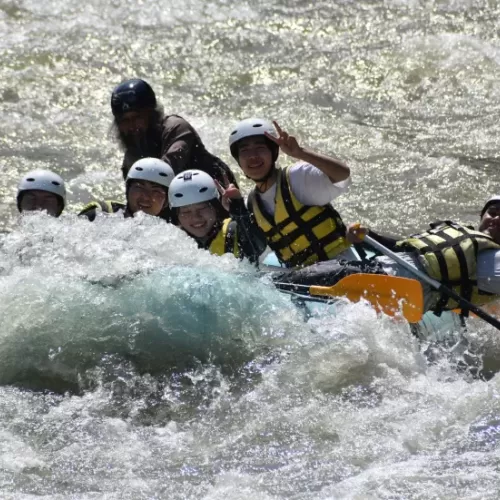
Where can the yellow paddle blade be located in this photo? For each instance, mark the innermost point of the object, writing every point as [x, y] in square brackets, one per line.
[388, 294]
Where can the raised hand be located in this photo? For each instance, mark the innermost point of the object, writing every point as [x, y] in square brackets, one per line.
[287, 143]
[356, 232]
[230, 192]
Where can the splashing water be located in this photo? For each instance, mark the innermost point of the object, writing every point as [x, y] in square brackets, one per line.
[136, 366]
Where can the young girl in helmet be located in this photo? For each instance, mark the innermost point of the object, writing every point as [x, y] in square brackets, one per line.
[292, 205]
[41, 190]
[146, 191]
[199, 205]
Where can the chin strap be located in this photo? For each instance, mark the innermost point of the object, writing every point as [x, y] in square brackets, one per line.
[264, 179]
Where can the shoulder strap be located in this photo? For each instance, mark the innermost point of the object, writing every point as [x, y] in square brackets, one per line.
[251, 200]
[253, 203]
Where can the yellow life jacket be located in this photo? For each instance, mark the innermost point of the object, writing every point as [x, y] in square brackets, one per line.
[300, 235]
[448, 252]
[226, 240]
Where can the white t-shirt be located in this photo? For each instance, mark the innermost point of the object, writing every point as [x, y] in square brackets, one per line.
[309, 185]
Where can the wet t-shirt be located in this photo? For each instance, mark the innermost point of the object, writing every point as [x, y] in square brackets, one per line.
[310, 186]
[177, 142]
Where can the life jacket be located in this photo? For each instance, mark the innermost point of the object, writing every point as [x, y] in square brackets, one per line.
[448, 252]
[300, 235]
[226, 240]
[107, 206]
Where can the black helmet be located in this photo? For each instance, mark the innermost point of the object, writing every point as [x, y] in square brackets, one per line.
[132, 95]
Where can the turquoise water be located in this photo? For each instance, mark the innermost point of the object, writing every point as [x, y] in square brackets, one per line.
[135, 366]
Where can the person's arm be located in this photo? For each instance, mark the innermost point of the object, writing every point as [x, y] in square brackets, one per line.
[334, 169]
[356, 232]
[222, 173]
[251, 240]
[179, 140]
[312, 187]
[384, 239]
[108, 207]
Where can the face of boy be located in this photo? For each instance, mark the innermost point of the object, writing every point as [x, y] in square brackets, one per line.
[255, 158]
[146, 197]
[40, 200]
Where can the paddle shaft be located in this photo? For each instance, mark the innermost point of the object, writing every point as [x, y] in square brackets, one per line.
[464, 304]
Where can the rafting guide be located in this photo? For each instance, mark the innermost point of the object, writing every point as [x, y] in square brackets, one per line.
[143, 130]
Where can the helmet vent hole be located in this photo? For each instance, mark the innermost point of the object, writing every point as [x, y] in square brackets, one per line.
[163, 174]
[31, 179]
[257, 125]
[203, 189]
[178, 195]
[139, 168]
[56, 183]
[234, 132]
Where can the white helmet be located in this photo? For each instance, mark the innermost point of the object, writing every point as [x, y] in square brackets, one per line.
[190, 187]
[492, 201]
[151, 170]
[251, 127]
[42, 180]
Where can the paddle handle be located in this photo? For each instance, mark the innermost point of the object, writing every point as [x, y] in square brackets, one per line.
[465, 304]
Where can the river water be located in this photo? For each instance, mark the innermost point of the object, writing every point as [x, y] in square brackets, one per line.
[135, 366]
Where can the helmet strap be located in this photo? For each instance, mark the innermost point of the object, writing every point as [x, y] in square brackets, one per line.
[263, 180]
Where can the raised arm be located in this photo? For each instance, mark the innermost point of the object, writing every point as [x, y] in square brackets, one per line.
[336, 170]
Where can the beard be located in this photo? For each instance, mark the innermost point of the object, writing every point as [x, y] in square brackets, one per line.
[136, 143]
[142, 144]
[145, 143]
